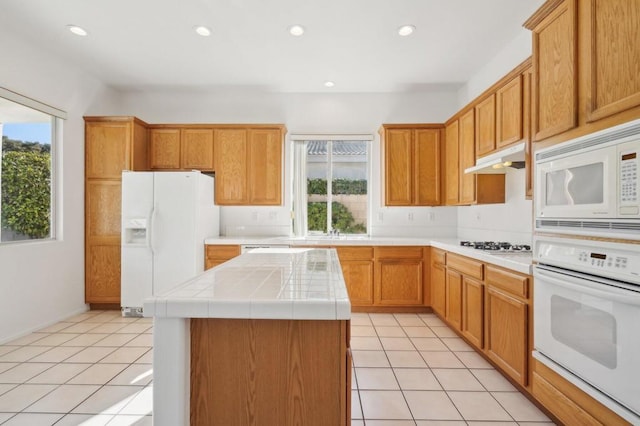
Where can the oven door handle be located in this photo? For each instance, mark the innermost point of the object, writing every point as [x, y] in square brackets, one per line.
[577, 284]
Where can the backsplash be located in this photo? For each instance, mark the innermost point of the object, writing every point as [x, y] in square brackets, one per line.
[512, 221]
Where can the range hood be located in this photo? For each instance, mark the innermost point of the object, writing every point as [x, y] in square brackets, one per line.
[497, 162]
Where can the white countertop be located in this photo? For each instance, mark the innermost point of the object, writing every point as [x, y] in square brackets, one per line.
[519, 262]
[295, 283]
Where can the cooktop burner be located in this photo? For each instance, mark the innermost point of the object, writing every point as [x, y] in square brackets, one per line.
[496, 246]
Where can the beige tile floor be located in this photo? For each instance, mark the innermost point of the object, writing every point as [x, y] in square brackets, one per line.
[95, 369]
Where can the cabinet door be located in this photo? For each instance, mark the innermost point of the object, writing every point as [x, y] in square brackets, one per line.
[230, 153]
[107, 148]
[164, 149]
[612, 56]
[467, 158]
[400, 282]
[102, 241]
[527, 77]
[473, 311]
[509, 113]
[197, 149]
[427, 167]
[215, 255]
[265, 167]
[453, 309]
[438, 288]
[507, 333]
[358, 276]
[555, 72]
[486, 126]
[452, 165]
[398, 167]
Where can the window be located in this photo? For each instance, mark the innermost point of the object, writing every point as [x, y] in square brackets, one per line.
[28, 131]
[335, 197]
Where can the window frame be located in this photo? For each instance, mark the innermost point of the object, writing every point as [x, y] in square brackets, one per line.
[57, 117]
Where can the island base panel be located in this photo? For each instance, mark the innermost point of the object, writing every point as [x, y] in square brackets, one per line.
[269, 372]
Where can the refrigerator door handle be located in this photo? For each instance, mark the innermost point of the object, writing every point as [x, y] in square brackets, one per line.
[152, 221]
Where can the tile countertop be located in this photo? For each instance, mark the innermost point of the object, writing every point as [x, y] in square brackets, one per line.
[286, 283]
[519, 262]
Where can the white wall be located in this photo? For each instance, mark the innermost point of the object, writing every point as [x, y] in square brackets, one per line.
[308, 113]
[41, 283]
[511, 221]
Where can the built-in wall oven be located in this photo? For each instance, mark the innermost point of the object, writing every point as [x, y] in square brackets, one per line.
[587, 272]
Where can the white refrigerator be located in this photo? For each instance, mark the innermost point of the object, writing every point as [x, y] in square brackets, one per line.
[166, 216]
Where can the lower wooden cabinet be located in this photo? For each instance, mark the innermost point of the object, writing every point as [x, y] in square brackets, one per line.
[102, 273]
[507, 333]
[473, 311]
[214, 255]
[438, 281]
[357, 269]
[399, 276]
[453, 309]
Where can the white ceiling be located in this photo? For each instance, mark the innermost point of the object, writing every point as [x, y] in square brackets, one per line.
[145, 44]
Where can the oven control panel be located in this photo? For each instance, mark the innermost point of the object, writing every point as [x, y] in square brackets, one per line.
[613, 260]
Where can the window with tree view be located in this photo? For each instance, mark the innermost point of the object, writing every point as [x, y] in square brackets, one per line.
[26, 172]
[337, 181]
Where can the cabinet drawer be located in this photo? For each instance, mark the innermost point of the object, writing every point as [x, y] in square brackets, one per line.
[398, 252]
[469, 267]
[438, 257]
[355, 253]
[514, 283]
[222, 252]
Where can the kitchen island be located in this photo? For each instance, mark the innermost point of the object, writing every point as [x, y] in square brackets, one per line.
[261, 339]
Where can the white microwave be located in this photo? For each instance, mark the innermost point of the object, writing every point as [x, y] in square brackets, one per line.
[591, 185]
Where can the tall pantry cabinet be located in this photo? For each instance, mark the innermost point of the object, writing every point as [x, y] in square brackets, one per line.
[112, 144]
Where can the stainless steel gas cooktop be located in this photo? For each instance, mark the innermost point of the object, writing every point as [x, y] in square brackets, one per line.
[497, 246]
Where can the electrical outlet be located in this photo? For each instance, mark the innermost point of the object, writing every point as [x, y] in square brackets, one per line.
[478, 216]
[380, 217]
[254, 216]
[432, 216]
[410, 217]
[273, 216]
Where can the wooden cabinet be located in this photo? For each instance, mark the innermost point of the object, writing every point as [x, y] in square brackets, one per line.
[180, 148]
[357, 269]
[473, 311]
[214, 255]
[196, 147]
[411, 161]
[555, 84]
[451, 164]
[269, 372]
[585, 56]
[467, 159]
[248, 164]
[507, 322]
[399, 276]
[438, 281]
[164, 149]
[112, 144]
[453, 307]
[509, 113]
[612, 54]
[485, 133]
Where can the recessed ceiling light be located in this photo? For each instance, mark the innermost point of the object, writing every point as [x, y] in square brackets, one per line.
[202, 30]
[406, 30]
[329, 84]
[296, 30]
[77, 30]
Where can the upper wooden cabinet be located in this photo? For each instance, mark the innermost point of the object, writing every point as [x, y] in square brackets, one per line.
[467, 157]
[609, 39]
[411, 161]
[248, 164]
[485, 114]
[585, 73]
[196, 149]
[164, 149]
[509, 113]
[555, 84]
[180, 148]
[114, 144]
[451, 164]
